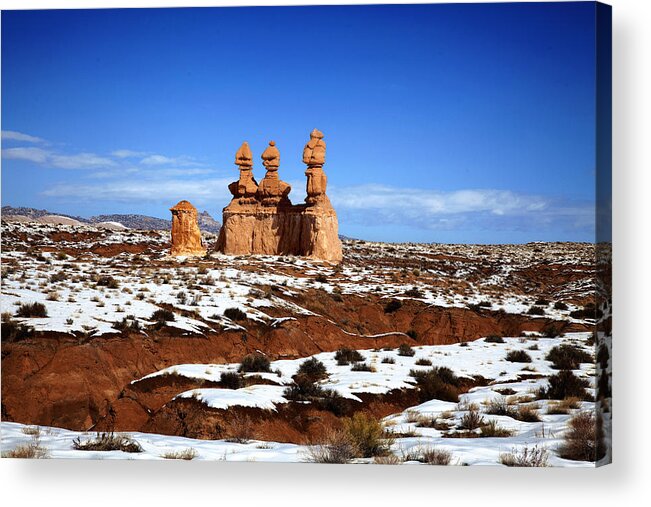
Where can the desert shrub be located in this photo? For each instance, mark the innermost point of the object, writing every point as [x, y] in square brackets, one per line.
[361, 367]
[423, 362]
[345, 356]
[128, 323]
[567, 357]
[406, 350]
[321, 278]
[428, 455]
[14, 331]
[234, 314]
[471, 420]
[559, 305]
[589, 311]
[551, 331]
[367, 434]
[439, 383]
[541, 302]
[584, 440]
[526, 457]
[107, 442]
[563, 406]
[313, 369]
[518, 356]
[563, 385]
[231, 380]
[389, 459]
[59, 276]
[303, 389]
[388, 360]
[492, 429]
[431, 421]
[536, 310]
[336, 297]
[527, 413]
[412, 334]
[499, 406]
[161, 316]
[186, 454]
[392, 306]
[37, 310]
[332, 401]
[107, 281]
[414, 293]
[494, 339]
[433, 456]
[255, 362]
[336, 446]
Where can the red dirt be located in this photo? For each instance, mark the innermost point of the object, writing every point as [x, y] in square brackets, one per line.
[53, 379]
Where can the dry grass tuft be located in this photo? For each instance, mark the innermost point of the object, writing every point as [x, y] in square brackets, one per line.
[186, 454]
[584, 441]
[107, 442]
[526, 457]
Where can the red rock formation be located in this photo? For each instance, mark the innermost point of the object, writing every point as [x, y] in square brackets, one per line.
[270, 224]
[186, 236]
[246, 187]
[273, 191]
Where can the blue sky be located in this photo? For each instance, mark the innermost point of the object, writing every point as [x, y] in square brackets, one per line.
[462, 123]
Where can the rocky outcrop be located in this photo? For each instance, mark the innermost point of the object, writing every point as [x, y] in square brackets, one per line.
[261, 219]
[186, 236]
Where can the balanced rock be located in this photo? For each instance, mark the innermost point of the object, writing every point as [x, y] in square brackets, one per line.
[186, 236]
[269, 223]
[272, 190]
[246, 187]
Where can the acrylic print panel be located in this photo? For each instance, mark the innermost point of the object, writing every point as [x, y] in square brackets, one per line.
[226, 236]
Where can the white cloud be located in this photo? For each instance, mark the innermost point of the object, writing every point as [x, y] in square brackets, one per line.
[478, 208]
[367, 205]
[51, 159]
[19, 136]
[432, 202]
[36, 155]
[129, 154]
[163, 160]
[86, 160]
[146, 190]
[80, 161]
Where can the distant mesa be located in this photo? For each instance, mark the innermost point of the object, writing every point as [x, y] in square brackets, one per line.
[186, 236]
[260, 219]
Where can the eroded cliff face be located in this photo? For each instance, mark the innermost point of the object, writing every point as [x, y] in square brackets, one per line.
[55, 380]
[262, 220]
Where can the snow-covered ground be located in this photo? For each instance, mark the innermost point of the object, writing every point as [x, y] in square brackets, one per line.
[477, 358]
[451, 276]
[200, 291]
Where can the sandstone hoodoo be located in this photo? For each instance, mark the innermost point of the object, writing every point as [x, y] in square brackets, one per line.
[186, 236]
[260, 219]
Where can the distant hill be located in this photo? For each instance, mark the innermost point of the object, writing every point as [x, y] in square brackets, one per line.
[132, 221]
[34, 213]
[208, 223]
